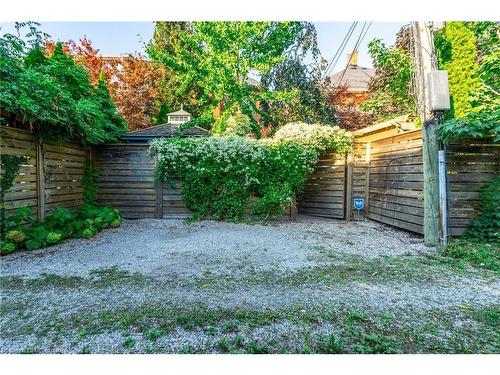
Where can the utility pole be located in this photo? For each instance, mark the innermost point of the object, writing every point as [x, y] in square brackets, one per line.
[424, 64]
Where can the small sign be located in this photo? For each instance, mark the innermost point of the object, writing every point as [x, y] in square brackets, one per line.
[359, 203]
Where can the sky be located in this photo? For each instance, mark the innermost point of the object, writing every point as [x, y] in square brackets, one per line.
[114, 38]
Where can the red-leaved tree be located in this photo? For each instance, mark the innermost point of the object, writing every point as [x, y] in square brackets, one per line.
[132, 80]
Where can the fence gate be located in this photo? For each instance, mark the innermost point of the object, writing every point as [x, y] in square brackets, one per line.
[324, 191]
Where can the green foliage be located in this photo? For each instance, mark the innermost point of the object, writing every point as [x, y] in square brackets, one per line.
[54, 237]
[391, 87]
[457, 54]
[53, 95]
[485, 255]
[486, 227]
[299, 72]
[220, 174]
[61, 224]
[470, 52]
[479, 125]
[89, 184]
[8, 248]
[9, 165]
[15, 236]
[214, 59]
[315, 136]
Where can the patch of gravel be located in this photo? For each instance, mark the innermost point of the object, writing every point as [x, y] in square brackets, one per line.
[173, 247]
[172, 263]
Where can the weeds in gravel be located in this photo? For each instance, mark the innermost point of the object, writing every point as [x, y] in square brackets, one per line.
[480, 254]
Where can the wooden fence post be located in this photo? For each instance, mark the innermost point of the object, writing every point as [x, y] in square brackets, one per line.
[367, 176]
[348, 186]
[40, 180]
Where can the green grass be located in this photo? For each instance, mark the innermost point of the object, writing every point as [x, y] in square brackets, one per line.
[231, 329]
[479, 254]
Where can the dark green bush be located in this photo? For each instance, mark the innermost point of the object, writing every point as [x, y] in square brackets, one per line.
[486, 227]
[24, 232]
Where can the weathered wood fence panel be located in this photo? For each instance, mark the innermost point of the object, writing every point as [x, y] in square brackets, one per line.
[126, 179]
[324, 191]
[51, 177]
[470, 165]
[24, 191]
[64, 167]
[395, 183]
[173, 204]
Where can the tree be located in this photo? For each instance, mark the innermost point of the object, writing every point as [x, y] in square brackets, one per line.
[216, 58]
[391, 89]
[347, 108]
[54, 95]
[293, 74]
[458, 55]
[166, 39]
[135, 87]
[133, 81]
[84, 54]
[470, 52]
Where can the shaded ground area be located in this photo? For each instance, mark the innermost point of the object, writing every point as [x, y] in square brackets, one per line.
[162, 286]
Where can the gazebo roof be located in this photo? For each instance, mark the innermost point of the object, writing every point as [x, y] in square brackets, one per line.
[180, 112]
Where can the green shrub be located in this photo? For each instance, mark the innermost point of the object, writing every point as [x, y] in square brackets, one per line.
[9, 247]
[61, 223]
[54, 237]
[115, 223]
[54, 95]
[486, 227]
[15, 236]
[220, 174]
[89, 232]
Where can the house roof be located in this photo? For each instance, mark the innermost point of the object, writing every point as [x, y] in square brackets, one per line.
[166, 130]
[180, 112]
[357, 78]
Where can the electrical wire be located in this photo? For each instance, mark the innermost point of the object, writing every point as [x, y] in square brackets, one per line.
[334, 60]
[361, 36]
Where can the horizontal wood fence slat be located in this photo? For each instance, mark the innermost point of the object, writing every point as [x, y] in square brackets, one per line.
[324, 191]
[51, 177]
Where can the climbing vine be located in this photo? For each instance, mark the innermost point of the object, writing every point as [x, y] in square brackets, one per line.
[10, 165]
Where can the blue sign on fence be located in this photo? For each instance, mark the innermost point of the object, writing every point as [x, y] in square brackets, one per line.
[359, 203]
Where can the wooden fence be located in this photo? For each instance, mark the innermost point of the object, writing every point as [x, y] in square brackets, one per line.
[393, 171]
[386, 172]
[127, 182]
[470, 165]
[324, 191]
[50, 177]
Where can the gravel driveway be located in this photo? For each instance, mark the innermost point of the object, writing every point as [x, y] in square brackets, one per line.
[162, 286]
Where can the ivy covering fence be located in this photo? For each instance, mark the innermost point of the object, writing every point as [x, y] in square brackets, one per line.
[220, 174]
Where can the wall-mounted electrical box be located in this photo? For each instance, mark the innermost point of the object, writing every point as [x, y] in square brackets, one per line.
[438, 90]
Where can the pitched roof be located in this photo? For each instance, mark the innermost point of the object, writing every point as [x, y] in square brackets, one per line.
[167, 130]
[180, 112]
[356, 78]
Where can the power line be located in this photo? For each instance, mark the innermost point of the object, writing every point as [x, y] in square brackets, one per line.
[334, 60]
[361, 36]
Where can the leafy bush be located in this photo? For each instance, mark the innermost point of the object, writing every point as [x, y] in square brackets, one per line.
[486, 227]
[9, 247]
[54, 95]
[24, 232]
[220, 174]
[15, 236]
[54, 237]
[315, 136]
